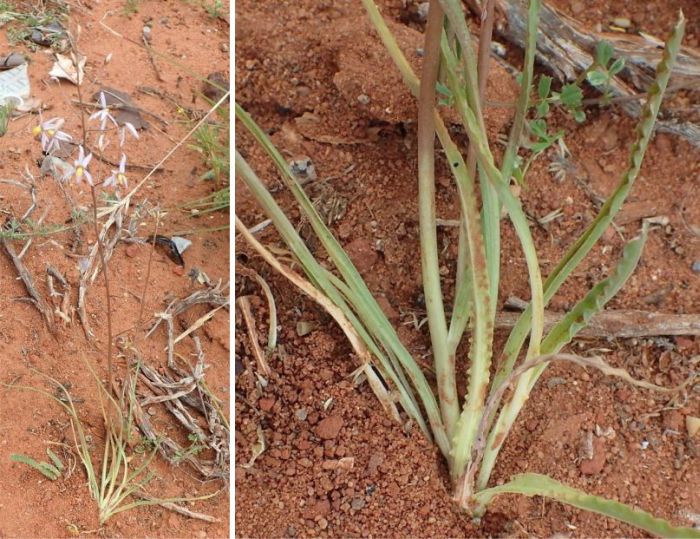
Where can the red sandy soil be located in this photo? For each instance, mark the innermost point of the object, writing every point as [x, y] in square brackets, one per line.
[300, 68]
[30, 505]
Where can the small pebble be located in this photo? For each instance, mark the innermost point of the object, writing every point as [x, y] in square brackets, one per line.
[301, 414]
[696, 266]
[357, 504]
[322, 523]
[622, 22]
[132, 250]
[329, 428]
[555, 381]
[422, 12]
[266, 404]
[577, 7]
[363, 99]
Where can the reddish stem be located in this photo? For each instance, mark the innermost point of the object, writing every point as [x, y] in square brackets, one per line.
[100, 248]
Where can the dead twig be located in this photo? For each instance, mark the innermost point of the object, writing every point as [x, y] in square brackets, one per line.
[89, 269]
[35, 296]
[148, 48]
[621, 324]
[179, 509]
[211, 296]
[567, 48]
[63, 309]
[182, 397]
[244, 305]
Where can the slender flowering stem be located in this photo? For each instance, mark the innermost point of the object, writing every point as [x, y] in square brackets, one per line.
[148, 270]
[100, 248]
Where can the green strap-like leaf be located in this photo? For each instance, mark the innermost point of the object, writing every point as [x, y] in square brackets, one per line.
[378, 326]
[54, 458]
[560, 334]
[585, 243]
[46, 469]
[532, 484]
[594, 302]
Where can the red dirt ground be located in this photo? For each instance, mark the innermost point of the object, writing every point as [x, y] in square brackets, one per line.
[30, 505]
[300, 68]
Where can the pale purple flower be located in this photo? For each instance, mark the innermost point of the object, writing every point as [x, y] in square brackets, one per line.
[51, 135]
[122, 134]
[118, 177]
[81, 165]
[103, 114]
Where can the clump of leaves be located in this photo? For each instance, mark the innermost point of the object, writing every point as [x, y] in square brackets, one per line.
[26, 22]
[219, 200]
[116, 481]
[131, 7]
[211, 141]
[469, 429]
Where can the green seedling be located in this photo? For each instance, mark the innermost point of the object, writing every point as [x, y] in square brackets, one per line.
[5, 116]
[51, 470]
[194, 449]
[215, 9]
[217, 201]
[131, 7]
[211, 141]
[469, 429]
[601, 73]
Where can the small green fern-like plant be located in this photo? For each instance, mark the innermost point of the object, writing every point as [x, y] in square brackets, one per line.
[470, 430]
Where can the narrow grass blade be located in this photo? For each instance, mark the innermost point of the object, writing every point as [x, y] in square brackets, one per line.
[521, 108]
[490, 213]
[364, 302]
[531, 484]
[594, 302]
[479, 370]
[392, 47]
[481, 350]
[331, 308]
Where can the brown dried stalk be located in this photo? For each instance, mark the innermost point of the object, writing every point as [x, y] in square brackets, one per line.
[181, 397]
[621, 324]
[244, 305]
[211, 296]
[35, 297]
